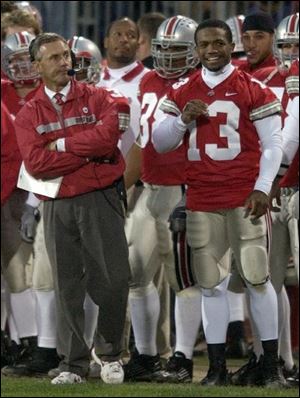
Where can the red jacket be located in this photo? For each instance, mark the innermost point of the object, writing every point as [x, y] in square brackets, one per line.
[10, 155]
[92, 121]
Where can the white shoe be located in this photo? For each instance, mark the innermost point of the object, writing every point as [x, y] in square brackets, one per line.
[111, 372]
[67, 378]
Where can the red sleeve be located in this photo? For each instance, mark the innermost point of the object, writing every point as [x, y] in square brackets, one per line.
[39, 161]
[10, 155]
[264, 101]
[101, 140]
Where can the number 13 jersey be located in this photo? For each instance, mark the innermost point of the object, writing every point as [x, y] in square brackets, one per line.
[223, 149]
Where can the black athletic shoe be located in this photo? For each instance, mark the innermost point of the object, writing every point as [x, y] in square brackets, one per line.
[249, 374]
[36, 363]
[178, 370]
[141, 367]
[217, 375]
[272, 373]
[291, 376]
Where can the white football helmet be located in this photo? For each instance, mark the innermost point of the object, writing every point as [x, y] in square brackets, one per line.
[287, 33]
[235, 23]
[174, 45]
[88, 59]
[15, 58]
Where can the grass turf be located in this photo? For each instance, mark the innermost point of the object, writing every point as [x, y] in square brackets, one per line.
[41, 387]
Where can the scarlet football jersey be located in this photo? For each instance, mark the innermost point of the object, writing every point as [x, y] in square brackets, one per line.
[11, 99]
[158, 169]
[223, 149]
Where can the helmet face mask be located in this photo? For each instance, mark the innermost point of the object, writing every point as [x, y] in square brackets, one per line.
[286, 43]
[87, 60]
[87, 70]
[15, 59]
[173, 49]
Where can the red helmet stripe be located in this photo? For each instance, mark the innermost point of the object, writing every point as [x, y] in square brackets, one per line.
[22, 39]
[293, 23]
[170, 26]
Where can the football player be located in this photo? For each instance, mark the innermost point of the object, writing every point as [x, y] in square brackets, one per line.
[174, 58]
[232, 152]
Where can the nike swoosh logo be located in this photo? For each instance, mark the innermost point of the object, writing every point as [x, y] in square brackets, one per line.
[229, 94]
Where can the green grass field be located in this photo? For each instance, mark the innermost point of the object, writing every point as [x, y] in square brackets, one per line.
[25, 387]
[41, 387]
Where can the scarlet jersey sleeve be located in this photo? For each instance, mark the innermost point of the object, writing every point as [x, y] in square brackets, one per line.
[223, 149]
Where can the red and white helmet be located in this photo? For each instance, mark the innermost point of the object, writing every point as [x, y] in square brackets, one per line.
[287, 33]
[87, 59]
[15, 58]
[235, 23]
[177, 35]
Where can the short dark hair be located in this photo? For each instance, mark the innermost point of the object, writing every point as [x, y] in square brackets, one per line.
[119, 20]
[150, 22]
[215, 23]
[41, 39]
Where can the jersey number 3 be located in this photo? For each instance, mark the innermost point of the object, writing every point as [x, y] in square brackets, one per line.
[228, 130]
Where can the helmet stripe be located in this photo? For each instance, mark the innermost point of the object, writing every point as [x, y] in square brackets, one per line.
[21, 39]
[170, 25]
[293, 23]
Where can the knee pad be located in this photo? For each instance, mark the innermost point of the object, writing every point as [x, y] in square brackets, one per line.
[218, 290]
[254, 263]
[189, 292]
[207, 270]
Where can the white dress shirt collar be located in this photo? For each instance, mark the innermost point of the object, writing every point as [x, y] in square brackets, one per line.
[65, 91]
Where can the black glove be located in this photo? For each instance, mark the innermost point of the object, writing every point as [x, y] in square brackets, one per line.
[30, 218]
[177, 218]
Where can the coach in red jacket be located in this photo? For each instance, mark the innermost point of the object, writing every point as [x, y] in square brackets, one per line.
[72, 130]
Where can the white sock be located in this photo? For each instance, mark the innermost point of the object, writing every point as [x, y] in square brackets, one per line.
[13, 332]
[46, 318]
[284, 340]
[236, 306]
[215, 313]
[4, 297]
[23, 309]
[144, 310]
[187, 319]
[90, 323]
[264, 310]
[257, 346]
